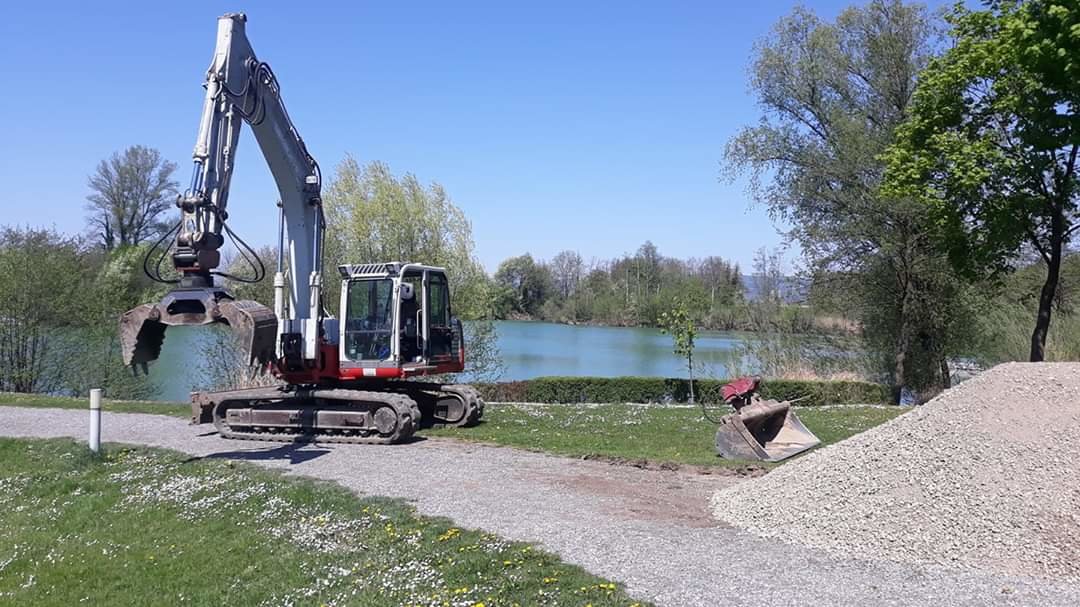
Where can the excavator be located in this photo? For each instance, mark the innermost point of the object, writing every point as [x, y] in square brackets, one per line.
[352, 378]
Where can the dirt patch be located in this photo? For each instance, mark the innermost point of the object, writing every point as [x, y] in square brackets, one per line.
[676, 498]
[739, 471]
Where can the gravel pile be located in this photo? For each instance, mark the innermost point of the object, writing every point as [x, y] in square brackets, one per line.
[985, 476]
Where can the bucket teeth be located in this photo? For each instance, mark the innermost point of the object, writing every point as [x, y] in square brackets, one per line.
[142, 329]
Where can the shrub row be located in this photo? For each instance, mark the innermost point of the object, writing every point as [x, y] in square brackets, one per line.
[571, 390]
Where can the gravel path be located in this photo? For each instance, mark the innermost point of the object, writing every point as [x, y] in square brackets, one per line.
[651, 530]
[985, 476]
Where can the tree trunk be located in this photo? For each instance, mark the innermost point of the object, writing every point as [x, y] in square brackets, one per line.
[901, 344]
[1046, 304]
[1049, 290]
[946, 376]
[690, 369]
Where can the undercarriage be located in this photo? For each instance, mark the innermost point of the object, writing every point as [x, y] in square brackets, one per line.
[375, 413]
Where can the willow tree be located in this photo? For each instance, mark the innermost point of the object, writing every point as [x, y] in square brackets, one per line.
[831, 95]
[374, 216]
[992, 140]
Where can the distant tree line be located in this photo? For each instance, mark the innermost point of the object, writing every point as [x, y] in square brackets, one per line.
[638, 289]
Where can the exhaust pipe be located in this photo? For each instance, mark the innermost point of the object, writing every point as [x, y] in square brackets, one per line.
[142, 329]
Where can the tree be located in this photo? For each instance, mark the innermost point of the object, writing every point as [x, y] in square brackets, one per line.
[566, 271]
[768, 271]
[992, 139]
[530, 282]
[831, 95]
[677, 323]
[722, 279]
[374, 216]
[262, 291]
[59, 305]
[41, 275]
[129, 193]
[88, 355]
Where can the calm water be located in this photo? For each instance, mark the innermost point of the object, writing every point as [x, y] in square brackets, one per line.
[529, 349]
[535, 349]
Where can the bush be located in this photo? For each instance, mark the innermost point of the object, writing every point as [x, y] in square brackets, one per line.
[572, 390]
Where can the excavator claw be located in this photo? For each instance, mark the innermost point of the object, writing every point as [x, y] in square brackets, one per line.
[763, 430]
[142, 329]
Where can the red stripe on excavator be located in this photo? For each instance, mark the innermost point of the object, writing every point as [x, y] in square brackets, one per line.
[357, 373]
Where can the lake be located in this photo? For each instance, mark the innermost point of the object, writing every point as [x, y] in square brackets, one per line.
[529, 349]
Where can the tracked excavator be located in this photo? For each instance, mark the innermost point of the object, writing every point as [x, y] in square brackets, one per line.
[351, 378]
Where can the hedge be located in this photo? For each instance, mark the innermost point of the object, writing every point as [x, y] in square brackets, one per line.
[572, 390]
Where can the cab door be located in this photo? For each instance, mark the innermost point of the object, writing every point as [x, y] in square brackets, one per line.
[437, 311]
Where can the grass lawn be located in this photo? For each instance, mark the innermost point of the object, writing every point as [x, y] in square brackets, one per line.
[657, 434]
[138, 526]
[654, 433]
[17, 399]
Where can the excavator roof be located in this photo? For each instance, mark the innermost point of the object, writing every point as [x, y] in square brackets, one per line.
[381, 270]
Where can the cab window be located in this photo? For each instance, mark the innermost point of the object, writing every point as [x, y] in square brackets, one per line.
[369, 319]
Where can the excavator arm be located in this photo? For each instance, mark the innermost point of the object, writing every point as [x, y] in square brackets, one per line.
[241, 89]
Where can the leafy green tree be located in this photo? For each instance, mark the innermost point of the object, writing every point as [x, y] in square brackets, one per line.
[129, 194]
[375, 216]
[530, 282]
[992, 139]
[722, 279]
[90, 356]
[677, 323]
[41, 279]
[831, 95]
[262, 291]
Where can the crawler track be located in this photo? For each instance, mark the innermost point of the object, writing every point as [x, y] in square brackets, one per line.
[442, 405]
[334, 415]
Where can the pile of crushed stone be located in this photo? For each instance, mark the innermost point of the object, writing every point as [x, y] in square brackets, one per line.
[986, 475]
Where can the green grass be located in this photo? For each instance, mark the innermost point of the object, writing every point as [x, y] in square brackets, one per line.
[657, 434]
[654, 433]
[17, 399]
[148, 527]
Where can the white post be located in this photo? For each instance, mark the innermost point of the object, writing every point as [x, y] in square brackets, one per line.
[95, 420]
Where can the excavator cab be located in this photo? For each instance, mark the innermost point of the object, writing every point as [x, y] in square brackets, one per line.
[397, 321]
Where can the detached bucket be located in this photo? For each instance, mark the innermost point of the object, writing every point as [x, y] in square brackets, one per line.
[142, 329]
[761, 430]
[766, 431]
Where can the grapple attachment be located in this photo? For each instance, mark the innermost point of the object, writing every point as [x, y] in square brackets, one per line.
[142, 329]
[763, 430]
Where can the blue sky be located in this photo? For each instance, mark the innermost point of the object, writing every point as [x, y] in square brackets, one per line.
[554, 125]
